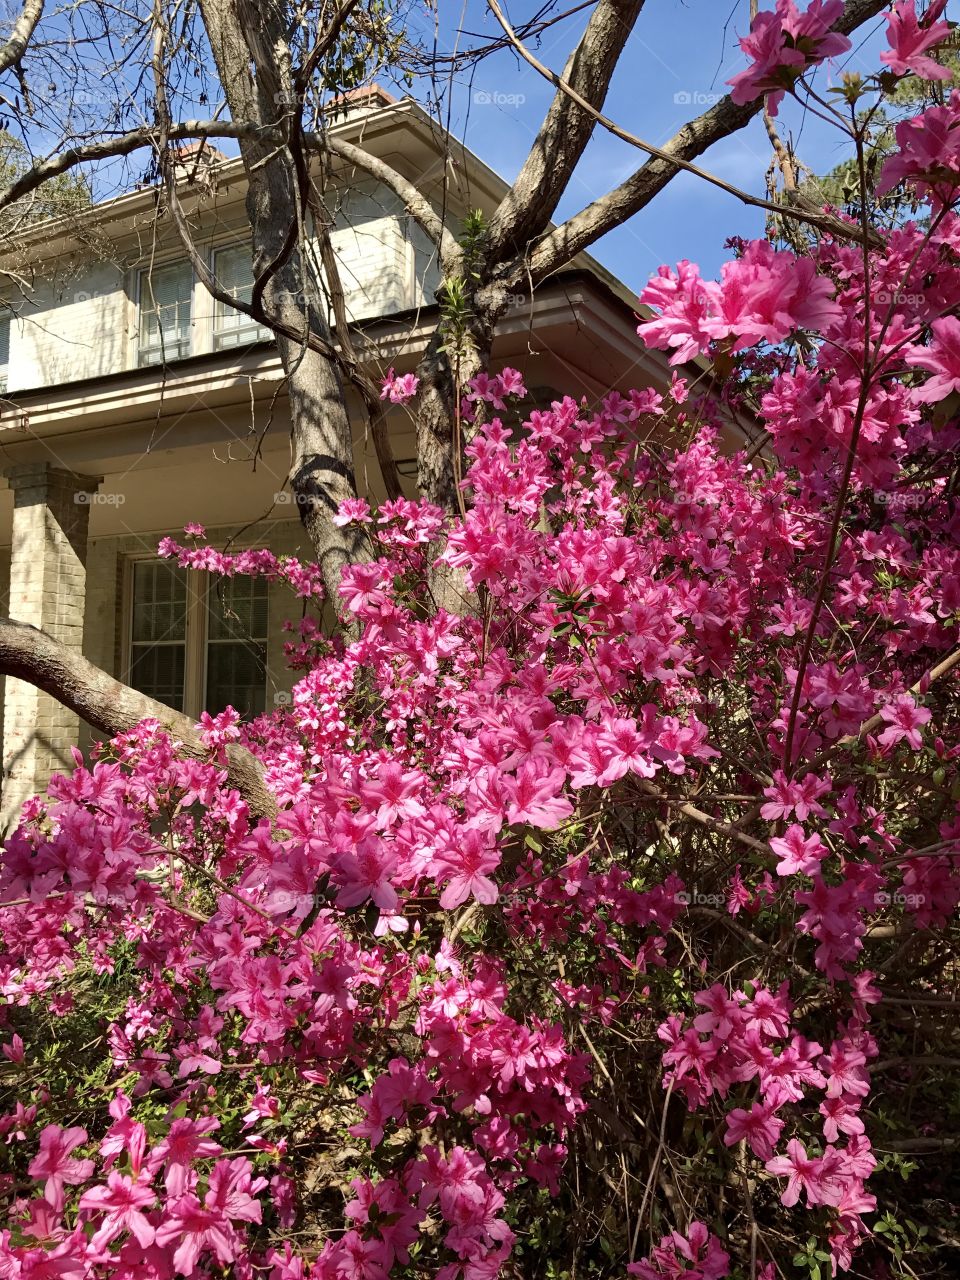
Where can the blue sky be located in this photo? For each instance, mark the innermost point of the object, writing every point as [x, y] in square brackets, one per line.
[678, 48]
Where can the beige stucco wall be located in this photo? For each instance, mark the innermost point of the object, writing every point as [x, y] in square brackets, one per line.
[70, 328]
[81, 319]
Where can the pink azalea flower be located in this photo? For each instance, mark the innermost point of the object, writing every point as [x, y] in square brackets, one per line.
[905, 719]
[535, 796]
[840, 1116]
[398, 390]
[802, 1174]
[232, 1190]
[55, 1164]
[196, 1230]
[910, 37]
[366, 872]
[928, 156]
[782, 43]
[798, 852]
[942, 358]
[15, 1050]
[759, 1126]
[121, 1201]
[185, 1143]
[468, 868]
[352, 511]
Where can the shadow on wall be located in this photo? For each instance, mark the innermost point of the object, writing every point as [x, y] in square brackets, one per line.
[15, 788]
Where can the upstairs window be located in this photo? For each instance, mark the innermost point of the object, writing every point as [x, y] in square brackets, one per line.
[234, 273]
[166, 301]
[4, 351]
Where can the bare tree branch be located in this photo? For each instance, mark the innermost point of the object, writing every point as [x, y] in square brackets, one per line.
[602, 215]
[826, 222]
[23, 29]
[567, 127]
[414, 201]
[111, 707]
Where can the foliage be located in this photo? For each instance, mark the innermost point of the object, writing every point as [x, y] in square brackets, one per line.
[840, 188]
[60, 197]
[607, 927]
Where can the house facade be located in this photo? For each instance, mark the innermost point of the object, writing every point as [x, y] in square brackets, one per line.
[132, 403]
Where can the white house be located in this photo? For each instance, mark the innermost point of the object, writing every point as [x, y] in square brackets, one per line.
[117, 427]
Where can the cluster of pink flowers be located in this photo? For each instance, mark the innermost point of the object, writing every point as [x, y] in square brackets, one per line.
[304, 579]
[782, 44]
[399, 388]
[157, 1212]
[785, 42]
[497, 832]
[910, 36]
[745, 1038]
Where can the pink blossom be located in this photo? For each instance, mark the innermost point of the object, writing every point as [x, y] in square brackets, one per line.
[905, 720]
[467, 870]
[942, 358]
[534, 796]
[782, 43]
[802, 1174]
[352, 511]
[759, 1126]
[798, 852]
[910, 37]
[122, 1202]
[55, 1164]
[398, 390]
[186, 1142]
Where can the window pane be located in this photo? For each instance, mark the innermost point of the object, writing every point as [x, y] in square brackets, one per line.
[166, 296]
[4, 343]
[238, 609]
[158, 631]
[237, 621]
[159, 601]
[234, 271]
[157, 670]
[237, 677]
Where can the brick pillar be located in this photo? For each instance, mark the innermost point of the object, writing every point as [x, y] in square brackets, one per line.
[51, 510]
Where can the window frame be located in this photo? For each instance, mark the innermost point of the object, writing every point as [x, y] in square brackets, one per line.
[164, 356]
[196, 637]
[6, 319]
[257, 332]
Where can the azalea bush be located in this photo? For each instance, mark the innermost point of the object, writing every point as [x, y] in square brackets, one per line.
[604, 926]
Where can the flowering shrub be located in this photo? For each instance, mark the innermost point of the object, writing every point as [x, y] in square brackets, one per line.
[606, 926]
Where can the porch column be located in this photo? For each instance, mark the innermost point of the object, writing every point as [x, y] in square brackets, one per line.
[51, 512]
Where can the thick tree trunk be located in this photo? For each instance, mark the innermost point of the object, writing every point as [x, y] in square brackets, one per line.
[253, 60]
[445, 369]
